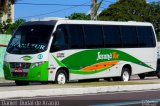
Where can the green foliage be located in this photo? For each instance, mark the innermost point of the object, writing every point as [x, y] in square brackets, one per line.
[9, 21]
[78, 16]
[8, 27]
[17, 23]
[155, 16]
[125, 10]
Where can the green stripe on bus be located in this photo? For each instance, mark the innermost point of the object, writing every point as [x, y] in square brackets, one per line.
[89, 57]
[85, 58]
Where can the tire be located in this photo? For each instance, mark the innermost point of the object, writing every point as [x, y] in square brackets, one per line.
[61, 77]
[158, 74]
[125, 75]
[21, 83]
[141, 76]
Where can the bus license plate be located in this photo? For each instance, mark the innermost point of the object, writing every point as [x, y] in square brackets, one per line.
[18, 70]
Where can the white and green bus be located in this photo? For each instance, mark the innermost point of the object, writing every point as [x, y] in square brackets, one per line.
[66, 50]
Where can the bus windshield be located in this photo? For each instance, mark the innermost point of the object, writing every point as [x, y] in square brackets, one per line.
[30, 39]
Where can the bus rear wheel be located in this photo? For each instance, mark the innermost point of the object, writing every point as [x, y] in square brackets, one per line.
[141, 76]
[158, 74]
[21, 83]
[125, 75]
[61, 77]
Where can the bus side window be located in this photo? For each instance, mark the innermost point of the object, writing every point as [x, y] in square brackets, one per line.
[60, 41]
[145, 36]
[76, 36]
[93, 36]
[129, 36]
[112, 36]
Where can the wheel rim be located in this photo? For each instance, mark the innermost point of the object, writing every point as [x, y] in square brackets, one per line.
[61, 79]
[125, 76]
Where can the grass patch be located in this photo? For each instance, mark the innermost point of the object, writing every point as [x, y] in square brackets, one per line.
[104, 83]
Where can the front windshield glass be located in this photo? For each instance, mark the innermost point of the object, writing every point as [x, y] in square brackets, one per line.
[30, 39]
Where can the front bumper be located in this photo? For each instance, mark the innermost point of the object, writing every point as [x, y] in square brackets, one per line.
[38, 73]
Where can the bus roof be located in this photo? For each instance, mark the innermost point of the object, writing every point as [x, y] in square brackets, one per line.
[89, 22]
[130, 23]
[51, 22]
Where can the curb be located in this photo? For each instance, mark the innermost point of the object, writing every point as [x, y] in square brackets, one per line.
[76, 91]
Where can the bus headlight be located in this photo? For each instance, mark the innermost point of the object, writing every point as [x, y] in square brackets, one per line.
[37, 64]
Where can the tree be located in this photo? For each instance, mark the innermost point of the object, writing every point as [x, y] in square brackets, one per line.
[125, 10]
[78, 16]
[8, 27]
[5, 7]
[17, 23]
[155, 15]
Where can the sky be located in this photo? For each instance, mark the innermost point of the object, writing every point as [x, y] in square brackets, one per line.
[29, 12]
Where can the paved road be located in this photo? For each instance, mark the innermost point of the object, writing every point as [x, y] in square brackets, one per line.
[138, 98]
[10, 85]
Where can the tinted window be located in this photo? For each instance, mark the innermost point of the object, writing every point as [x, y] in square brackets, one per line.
[146, 37]
[129, 36]
[76, 36]
[93, 36]
[30, 39]
[112, 36]
[60, 40]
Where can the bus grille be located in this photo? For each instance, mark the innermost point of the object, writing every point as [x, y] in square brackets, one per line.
[24, 74]
[20, 65]
[23, 66]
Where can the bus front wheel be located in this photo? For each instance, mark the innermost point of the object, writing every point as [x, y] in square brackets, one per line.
[125, 76]
[61, 77]
[21, 83]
